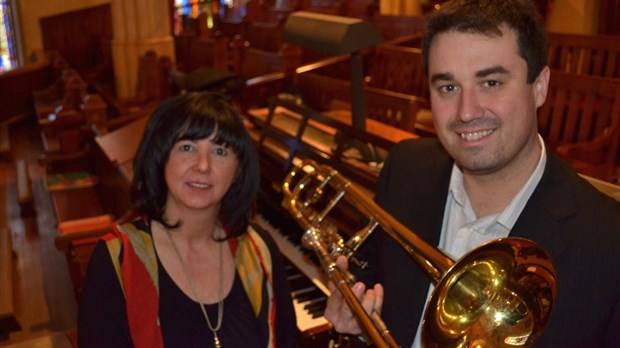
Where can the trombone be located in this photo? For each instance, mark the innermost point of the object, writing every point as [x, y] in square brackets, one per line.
[498, 295]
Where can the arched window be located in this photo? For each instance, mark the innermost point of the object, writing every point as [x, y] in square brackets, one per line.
[9, 56]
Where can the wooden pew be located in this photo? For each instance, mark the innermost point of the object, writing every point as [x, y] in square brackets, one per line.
[230, 27]
[260, 10]
[413, 40]
[267, 36]
[153, 86]
[65, 93]
[105, 204]
[336, 7]
[110, 157]
[5, 143]
[6, 154]
[257, 90]
[262, 50]
[597, 55]
[65, 134]
[77, 239]
[580, 120]
[395, 109]
[194, 51]
[18, 85]
[8, 321]
[24, 188]
[396, 26]
[390, 70]
[400, 69]
[95, 111]
[320, 90]
[251, 62]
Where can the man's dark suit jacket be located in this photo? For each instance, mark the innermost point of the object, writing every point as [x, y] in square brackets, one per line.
[577, 225]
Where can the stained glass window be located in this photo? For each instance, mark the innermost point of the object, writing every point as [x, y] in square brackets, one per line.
[186, 12]
[8, 37]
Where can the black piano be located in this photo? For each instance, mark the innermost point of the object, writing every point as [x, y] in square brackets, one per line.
[307, 280]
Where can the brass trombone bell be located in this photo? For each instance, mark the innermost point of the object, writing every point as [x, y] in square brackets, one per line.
[498, 295]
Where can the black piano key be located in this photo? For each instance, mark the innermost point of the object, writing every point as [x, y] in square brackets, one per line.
[302, 292]
[300, 283]
[309, 295]
[317, 308]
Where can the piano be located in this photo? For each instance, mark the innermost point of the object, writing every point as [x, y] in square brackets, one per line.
[307, 280]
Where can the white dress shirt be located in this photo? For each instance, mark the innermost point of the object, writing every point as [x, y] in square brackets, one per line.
[462, 230]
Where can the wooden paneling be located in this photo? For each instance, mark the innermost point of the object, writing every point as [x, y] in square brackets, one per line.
[609, 17]
[82, 37]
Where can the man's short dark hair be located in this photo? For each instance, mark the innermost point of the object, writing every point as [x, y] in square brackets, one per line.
[487, 17]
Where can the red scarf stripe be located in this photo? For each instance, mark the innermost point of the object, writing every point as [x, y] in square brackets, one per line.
[142, 301]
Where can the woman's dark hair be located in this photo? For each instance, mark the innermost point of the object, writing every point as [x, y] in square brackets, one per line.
[486, 17]
[195, 116]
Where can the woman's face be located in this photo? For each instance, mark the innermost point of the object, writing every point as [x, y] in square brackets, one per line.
[198, 174]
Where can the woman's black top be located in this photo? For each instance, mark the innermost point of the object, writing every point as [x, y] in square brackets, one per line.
[102, 320]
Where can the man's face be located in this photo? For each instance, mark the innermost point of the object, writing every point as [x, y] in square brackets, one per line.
[483, 109]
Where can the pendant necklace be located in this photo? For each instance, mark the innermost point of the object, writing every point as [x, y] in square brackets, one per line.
[220, 305]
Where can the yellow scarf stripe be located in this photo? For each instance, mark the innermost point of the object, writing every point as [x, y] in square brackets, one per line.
[114, 248]
[143, 247]
[251, 252]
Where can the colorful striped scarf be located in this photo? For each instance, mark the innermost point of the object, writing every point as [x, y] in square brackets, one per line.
[138, 276]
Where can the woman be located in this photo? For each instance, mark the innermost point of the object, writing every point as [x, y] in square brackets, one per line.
[190, 272]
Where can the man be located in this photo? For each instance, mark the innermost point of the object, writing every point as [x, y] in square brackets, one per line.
[490, 176]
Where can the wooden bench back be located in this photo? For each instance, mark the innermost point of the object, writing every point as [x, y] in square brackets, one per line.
[410, 40]
[95, 209]
[395, 109]
[254, 62]
[597, 55]
[395, 26]
[363, 9]
[266, 36]
[334, 7]
[194, 52]
[581, 119]
[318, 91]
[230, 27]
[398, 69]
[67, 91]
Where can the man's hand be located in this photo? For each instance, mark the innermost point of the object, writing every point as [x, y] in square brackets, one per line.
[339, 313]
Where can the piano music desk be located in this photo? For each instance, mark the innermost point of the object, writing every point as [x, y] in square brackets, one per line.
[294, 132]
[381, 129]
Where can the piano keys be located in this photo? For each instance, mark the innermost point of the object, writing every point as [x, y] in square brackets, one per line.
[307, 280]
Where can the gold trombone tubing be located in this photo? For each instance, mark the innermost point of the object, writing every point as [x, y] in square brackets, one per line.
[498, 295]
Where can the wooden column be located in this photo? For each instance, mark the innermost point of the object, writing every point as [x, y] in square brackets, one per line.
[139, 26]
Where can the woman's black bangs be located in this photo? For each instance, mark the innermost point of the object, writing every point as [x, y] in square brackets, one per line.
[197, 127]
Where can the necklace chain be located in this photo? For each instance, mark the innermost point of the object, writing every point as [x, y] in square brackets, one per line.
[220, 304]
